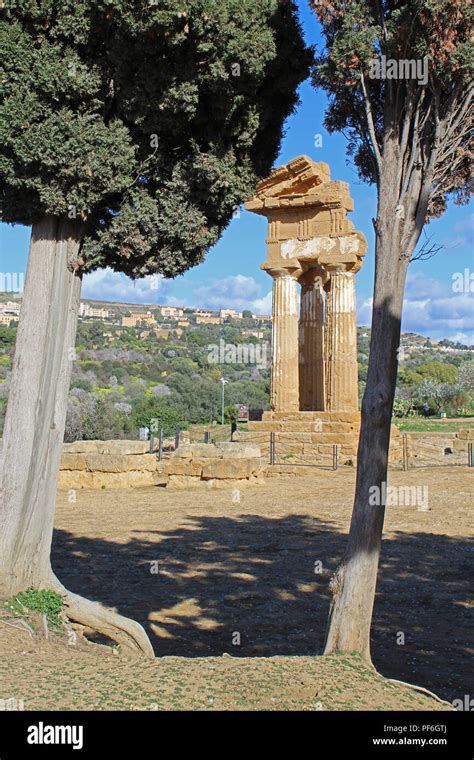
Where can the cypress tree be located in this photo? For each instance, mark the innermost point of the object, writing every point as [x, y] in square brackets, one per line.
[398, 75]
[129, 133]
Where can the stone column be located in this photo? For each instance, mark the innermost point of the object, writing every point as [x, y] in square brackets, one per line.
[341, 343]
[311, 341]
[284, 391]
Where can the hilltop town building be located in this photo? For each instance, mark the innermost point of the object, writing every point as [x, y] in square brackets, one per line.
[171, 312]
[138, 318]
[93, 312]
[230, 314]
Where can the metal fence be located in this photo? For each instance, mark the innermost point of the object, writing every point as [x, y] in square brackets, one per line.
[282, 453]
[421, 453]
[330, 457]
[161, 450]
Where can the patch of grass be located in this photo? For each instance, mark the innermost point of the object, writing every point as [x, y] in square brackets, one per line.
[434, 425]
[43, 601]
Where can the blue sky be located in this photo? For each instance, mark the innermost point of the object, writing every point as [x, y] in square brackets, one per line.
[230, 276]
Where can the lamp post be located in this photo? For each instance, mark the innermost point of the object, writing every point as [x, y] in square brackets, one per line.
[223, 382]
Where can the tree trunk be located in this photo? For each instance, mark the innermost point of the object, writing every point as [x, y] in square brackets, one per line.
[353, 584]
[34, 426]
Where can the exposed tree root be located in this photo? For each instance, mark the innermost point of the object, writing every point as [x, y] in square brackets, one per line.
[126, 632]
[22, 626]
[422, 690]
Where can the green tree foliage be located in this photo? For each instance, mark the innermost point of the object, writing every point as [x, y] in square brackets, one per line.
[7, 337]
[147, 122]
[438, 371]
[438, 395]
[231, 413]
[427, 117]
[154, 415]
[398, 76]
[408, 376]
[466, 377]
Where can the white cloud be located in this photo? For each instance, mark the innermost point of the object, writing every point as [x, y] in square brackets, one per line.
[461, 235]
[364, 312]
[234, 292]
[263, 305]
[107, 285]
[431, 308]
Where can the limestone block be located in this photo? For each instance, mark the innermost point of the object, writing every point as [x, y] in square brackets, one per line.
[109, 480]
[160, 479]
[349, 451]
[261, 427]
[346, 417]
[106, 463]
[189, 467]
[237, 450]
[199, 450]
[123, 448]
[130, 479]
[228, 468]
[287, 437]
[339, 427]
[73, 461]
[74, 479]
[234, 483]
[331, 438]
[325, 450]
[183, 452]
[141, 462]
[284, 449]
[137, 479]
[84, 447]
[253, 436]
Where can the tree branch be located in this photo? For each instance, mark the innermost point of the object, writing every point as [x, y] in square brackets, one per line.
[371, 126]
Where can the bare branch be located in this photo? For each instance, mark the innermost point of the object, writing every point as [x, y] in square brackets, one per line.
[427, 250]
[371, 125]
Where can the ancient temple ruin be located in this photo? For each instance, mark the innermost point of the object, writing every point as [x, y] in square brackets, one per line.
[311, 244]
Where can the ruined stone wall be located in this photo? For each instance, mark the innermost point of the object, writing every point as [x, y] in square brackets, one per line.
[128, 464]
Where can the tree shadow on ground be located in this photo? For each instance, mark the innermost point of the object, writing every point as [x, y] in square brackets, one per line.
[255, 580]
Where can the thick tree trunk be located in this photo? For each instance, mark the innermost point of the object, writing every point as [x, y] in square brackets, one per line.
[353, 585]
[36, 411]
[34, 426]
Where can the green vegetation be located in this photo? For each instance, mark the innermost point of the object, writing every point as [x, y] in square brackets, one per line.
[45, 602]
[150, 413]
[123, 380]
[143, 125]
[430, 425]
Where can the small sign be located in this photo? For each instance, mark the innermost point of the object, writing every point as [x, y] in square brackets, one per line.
[243, 413]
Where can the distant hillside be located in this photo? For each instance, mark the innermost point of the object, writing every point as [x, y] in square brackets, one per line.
[170, 369]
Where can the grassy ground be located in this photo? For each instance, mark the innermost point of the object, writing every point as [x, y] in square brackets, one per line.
[433, 424]
[409, 424]
[51, 675]
[218, 432]
[256, 562]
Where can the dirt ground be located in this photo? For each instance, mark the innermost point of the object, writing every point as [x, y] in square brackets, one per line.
[238, 575]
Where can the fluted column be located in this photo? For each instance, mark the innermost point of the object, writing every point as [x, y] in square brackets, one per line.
[284, 390]
[311, 342]
[341, 343]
